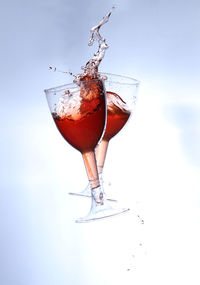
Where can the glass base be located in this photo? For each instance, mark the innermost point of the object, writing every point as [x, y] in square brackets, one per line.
[87, 193]
[101, 212]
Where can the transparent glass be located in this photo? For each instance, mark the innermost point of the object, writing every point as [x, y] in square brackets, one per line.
[79, 112]
[121, 94]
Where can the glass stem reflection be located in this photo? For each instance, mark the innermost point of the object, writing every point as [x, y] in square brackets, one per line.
[101, 151]
[91, 169]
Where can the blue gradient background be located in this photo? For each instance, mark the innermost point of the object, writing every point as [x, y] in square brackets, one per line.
[154, 164]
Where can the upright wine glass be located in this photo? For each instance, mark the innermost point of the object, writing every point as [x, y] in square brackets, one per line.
[121, 93]
[79, 112]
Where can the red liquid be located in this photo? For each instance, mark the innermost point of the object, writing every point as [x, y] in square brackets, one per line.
[116, 118]
[85, 132]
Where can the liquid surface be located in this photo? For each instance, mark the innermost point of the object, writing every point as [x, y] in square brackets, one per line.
[117, 115]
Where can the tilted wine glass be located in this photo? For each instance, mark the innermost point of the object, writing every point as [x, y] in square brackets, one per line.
[121, 94]
[79, 111]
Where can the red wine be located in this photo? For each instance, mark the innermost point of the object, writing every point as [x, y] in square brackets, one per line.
[117, 115]
[83, 126]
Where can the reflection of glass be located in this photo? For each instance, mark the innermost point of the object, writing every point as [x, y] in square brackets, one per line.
[121, 94]
[80, 114]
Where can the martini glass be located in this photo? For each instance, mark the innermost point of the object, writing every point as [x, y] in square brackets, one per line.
[79, 112]
[121, 93]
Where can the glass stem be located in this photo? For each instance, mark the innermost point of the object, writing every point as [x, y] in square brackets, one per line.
[93, 177]
[101, 151]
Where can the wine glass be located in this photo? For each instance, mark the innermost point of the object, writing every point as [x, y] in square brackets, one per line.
[121, 93]
[79, 112]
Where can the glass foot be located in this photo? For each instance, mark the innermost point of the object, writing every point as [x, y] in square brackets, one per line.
[101, 212]
[87, 193]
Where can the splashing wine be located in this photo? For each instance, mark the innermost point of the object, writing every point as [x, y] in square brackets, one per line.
[90, 70]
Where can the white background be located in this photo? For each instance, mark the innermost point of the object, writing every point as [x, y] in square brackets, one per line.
[153, 165]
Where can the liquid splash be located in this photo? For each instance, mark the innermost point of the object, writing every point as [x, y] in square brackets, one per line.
[115, 104]
[90, 70]
[93, 64]
[72, 106]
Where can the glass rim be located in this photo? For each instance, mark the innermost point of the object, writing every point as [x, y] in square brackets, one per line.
[134, 80]
[62, 87]
[67, 86]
